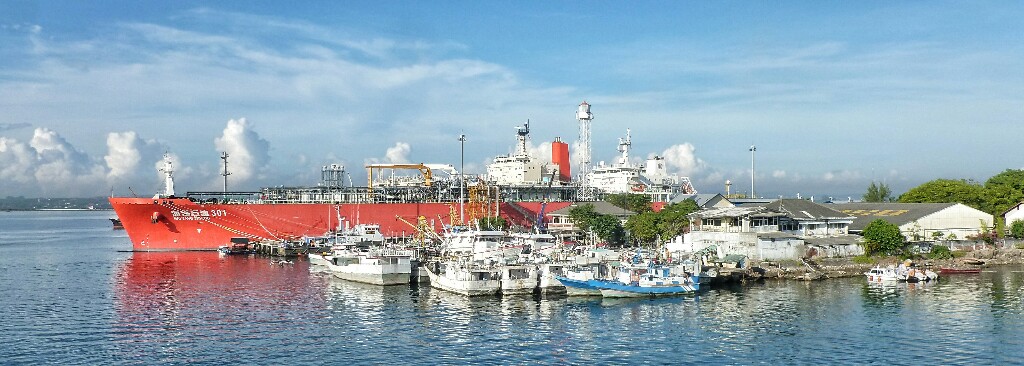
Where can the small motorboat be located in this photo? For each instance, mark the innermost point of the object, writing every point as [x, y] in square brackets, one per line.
[974, 261]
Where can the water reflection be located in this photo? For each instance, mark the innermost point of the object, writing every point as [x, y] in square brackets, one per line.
[167, 303]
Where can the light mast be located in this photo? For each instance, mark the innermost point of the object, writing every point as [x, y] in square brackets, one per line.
[584, 117]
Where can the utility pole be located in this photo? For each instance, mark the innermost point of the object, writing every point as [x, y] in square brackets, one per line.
[462, 180]
[224, 156]
[753, 149]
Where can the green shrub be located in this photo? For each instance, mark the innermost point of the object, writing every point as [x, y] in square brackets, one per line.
[959, 254]
[864, 259]
[1019, 246]
[940, 252]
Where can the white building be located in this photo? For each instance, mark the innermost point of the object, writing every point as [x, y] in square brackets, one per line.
[921, 221]
[773, 231]
[1015, 213]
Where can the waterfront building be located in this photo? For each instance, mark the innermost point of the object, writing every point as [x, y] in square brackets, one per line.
[1015, 213]
[780, 229]
[562, 226]
[921, 221]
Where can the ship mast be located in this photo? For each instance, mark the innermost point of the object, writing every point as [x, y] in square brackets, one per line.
[168, 170]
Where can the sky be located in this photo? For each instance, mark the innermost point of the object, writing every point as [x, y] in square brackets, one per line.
[834, 94]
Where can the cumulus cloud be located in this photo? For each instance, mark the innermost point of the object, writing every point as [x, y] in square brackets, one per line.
[398, 154]
[47, 164]
[541, 152]
[248, 153]
[126, 151]
[682, 159]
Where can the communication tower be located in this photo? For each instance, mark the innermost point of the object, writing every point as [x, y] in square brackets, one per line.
[584, 116]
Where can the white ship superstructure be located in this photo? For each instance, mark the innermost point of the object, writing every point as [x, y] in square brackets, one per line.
[519, 168]
[651, 179]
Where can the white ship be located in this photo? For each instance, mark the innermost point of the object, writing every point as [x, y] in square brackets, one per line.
[650, 179]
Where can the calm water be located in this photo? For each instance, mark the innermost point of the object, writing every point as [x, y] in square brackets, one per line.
[70, 295]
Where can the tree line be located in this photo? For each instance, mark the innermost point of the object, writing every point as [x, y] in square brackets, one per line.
[996, 195]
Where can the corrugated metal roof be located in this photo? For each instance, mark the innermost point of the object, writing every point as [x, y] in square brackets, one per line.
[895, 213]
[801, 209]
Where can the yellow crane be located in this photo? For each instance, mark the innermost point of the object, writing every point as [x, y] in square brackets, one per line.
[422, 227]
[428, 176]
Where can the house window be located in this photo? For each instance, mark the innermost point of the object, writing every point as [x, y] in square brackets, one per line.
[711, 222]
[761, 221]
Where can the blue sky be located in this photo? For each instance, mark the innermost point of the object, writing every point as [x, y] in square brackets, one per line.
[834, 94]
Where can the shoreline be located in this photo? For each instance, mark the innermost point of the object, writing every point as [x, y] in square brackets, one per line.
[845, 267]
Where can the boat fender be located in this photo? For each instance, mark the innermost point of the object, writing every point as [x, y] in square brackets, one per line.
[155, 217]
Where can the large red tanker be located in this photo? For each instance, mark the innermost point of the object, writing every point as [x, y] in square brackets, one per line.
[155, 224]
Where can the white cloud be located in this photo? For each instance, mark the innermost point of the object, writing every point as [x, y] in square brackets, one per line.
[48, 164]
[398, 154]
[248, 153]
[779, 174]
[125, 152]
[681, 159]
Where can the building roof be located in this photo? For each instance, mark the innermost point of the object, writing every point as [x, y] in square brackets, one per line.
[702, 199]
[751, 201]
[758, 211]
[801, 209]
[1014, 207]
[600, 207]
[898, 214]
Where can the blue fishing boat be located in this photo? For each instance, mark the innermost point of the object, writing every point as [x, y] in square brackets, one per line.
[578, 287]
[649, 280]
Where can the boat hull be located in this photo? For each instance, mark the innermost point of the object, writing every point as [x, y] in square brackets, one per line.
[577, 287]
[618, 289]
[382, 275]
[465, 288]
[177, 224]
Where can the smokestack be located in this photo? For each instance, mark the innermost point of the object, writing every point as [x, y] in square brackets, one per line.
[560, 157]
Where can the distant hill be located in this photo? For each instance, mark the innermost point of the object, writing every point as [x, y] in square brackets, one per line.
[10, 203]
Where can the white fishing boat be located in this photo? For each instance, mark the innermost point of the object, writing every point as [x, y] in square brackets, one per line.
[361, 235]
[378, 266]
[547, 281]
[534, 243]
[880, 274]
[517, 279]
[465, 278]
[320, 259]
[479, 244]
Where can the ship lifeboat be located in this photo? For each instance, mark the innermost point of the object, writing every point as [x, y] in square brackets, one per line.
[155, 217]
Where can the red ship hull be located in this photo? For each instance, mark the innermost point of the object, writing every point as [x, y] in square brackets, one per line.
[169, 224]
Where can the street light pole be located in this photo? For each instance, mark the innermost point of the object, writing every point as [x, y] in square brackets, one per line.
[462, 181]
[753, 149]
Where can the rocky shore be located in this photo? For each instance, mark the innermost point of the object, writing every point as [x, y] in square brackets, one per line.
[824, 268]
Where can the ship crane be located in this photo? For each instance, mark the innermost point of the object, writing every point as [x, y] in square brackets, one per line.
[425, 170]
